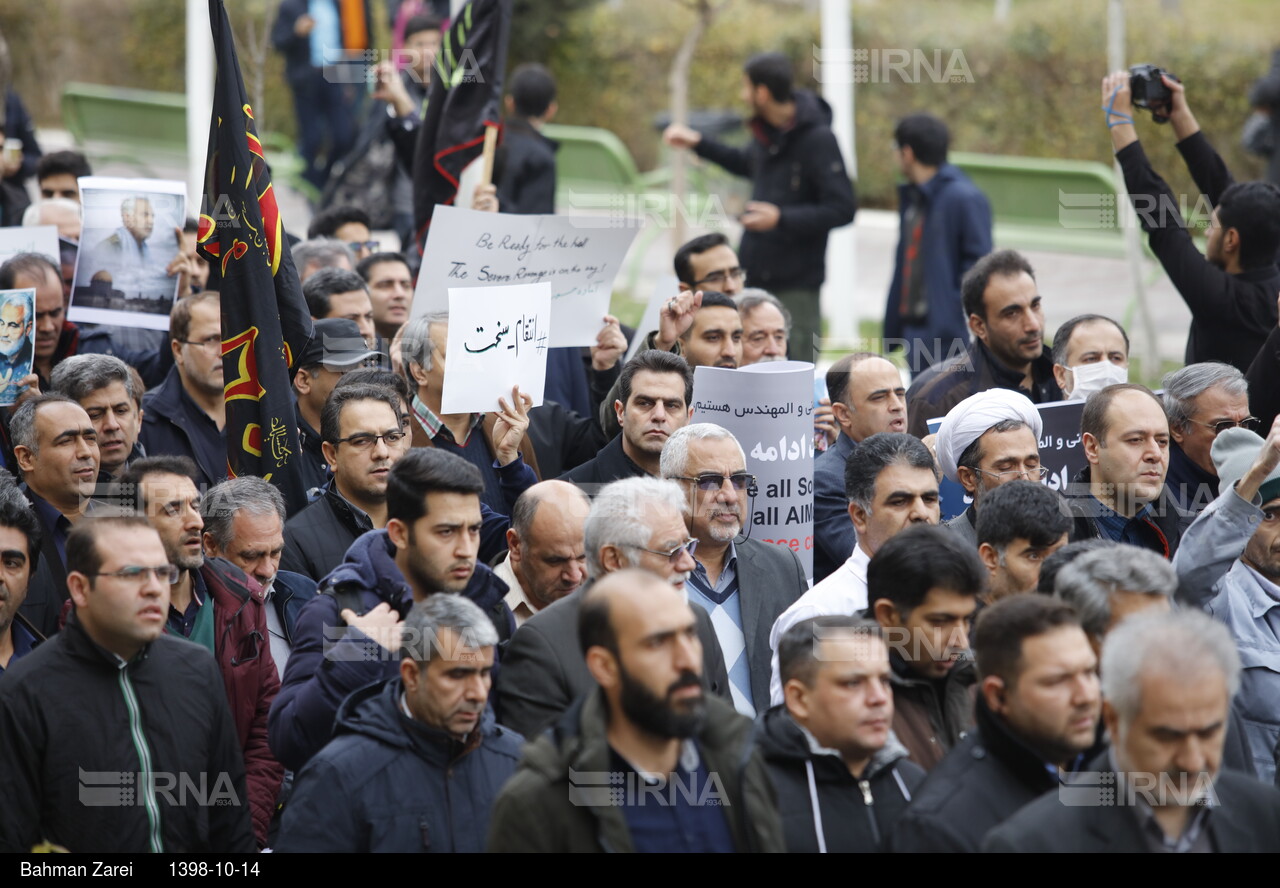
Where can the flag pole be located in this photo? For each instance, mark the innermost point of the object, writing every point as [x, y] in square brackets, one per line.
[490, 147]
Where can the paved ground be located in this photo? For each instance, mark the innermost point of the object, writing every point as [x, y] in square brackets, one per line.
[1070, 284]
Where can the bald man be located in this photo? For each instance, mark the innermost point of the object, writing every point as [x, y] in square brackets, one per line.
[546, 556]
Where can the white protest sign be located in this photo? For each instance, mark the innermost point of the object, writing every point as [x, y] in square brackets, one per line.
[769, 408]
[667, 288]
[578, 258]
[42, 239]
[498, 338]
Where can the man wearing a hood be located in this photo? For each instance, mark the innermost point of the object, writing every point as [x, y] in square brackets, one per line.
[800, 190]
[842, 776]
[429, 546]
[416, 761]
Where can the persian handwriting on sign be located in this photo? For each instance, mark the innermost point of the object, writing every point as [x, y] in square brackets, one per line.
[797, 448]
[526, 332]
[789, 409]
[711, 408]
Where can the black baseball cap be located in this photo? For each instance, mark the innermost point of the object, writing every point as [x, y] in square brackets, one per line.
[337, 343]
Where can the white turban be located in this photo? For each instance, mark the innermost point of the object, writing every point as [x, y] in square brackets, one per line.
[972, 417]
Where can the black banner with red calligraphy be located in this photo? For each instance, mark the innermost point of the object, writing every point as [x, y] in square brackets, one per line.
[265, 322]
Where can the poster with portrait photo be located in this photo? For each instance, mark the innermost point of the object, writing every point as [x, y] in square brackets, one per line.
[17, 341]
[128, 240]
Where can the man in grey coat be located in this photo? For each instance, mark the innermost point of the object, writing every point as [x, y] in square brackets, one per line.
[1229, 565]
[635, 522]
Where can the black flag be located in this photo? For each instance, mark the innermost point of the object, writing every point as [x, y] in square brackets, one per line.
[265, 322]
[465, 97]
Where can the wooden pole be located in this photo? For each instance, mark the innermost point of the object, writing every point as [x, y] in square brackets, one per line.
[490, 146]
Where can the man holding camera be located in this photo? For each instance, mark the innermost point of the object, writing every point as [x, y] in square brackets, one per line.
[1231, 290]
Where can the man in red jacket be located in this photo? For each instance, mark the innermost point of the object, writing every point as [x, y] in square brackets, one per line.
[233, 628]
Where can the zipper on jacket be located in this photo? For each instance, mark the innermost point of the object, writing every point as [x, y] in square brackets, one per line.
[869, 803]
[145, 778]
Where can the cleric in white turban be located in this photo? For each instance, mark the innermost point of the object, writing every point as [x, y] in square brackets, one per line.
[974, 416]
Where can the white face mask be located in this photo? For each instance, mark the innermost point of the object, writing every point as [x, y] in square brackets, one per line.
[1090, 378]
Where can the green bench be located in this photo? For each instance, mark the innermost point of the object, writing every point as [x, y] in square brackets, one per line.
[1068, 206]
[142, 127]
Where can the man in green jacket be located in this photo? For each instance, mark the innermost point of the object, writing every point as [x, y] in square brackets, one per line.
[648, 761]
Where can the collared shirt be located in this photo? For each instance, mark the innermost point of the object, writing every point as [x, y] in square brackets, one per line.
[521, 607]
[722, 602]
[280, 649]
[184, 621]
[1136, 531]
[435, 426]
[23, 643]
[53, 521]
[671, 813]
[1195, 838]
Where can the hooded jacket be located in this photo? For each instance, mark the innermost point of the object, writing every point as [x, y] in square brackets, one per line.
[67, 713]
[329, 661]
[389, 783]
[929, 720]
[856, 814]
[800, 170]
[541, 808]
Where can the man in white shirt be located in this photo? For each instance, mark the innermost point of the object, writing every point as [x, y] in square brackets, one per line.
[546, 556]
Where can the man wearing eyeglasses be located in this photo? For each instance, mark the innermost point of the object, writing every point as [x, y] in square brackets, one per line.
[186, 413]
[1228, 563]
[110, 729]
[336, 347]
[1202, 400]
[708, 262]
[635, 522]
[987, 440]
[745, 585]
[348, 224]
[214, 604]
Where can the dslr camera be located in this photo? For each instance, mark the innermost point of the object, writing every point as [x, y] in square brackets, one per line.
[1149, 92]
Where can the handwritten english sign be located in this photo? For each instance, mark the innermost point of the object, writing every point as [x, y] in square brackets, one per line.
[42, 239]
[1060, 453]
[467, 248]
[498, 338]
[769, 408]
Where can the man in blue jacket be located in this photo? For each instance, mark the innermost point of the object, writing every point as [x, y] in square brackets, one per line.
[945, 229]
[800, 190]
[429, 546]
[417, 761]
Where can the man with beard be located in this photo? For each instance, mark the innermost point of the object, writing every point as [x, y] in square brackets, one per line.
[1168, 680]
[15, 344]
[647, 762]
[745, 585]
[1037, 713]
[19, 554]
[1002, 302]
[213, 604]
[429, 545]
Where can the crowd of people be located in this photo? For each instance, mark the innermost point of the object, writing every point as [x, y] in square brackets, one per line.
[548, 629]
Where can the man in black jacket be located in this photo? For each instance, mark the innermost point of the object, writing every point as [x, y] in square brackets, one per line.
[417, 761]
[842, 777]
[1231, 288]
[800, 190]
[1168, 679]
[1037, 709]
[527, 159]
[151, 703]
[1121, 495]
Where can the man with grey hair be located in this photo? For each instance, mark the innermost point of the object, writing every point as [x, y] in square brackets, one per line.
[417, 760]
[546, 555]
[1108, 585]
[635, 522]
[1231, 569]
[766, 326]
[493, 442]
[244, 523]
[104, 386]
[1167, 683]
[1202, 400]
[321, 252]
[744, 585]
